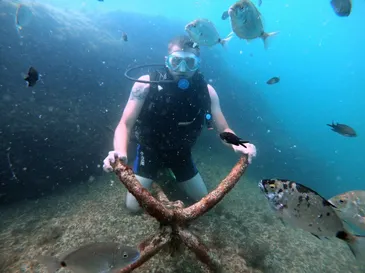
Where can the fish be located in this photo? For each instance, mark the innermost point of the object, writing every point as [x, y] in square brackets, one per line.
[246, 22]
[351, 207]
[204, 33]
[32, 77]
[342, 8]
[225, 15]
[231, 138]
[273, 80]
[106, 257]
[342, 129]
[302, 207]
[125, 37]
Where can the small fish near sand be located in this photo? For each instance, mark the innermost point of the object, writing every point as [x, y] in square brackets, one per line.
[231, 138]
[342, 8]
[342, 129]
[351, 207]
[32, 77]
[273, 80]
[302, 207]
[204, 33]
[105, 257]
[246, 22]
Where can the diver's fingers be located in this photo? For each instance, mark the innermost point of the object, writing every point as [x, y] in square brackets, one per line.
[251, 152]
[106, 164]
[111, 156]
[122, 157]
[107, 168]
[254, 150]
[249, 158]
[110, 159]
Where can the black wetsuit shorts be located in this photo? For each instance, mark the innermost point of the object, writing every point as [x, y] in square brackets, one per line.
[149, 161]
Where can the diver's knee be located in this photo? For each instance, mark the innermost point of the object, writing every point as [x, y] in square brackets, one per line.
[195, 187]
[132, 204]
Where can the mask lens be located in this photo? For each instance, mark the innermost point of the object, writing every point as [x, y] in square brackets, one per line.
[174, 62]
[191, 63]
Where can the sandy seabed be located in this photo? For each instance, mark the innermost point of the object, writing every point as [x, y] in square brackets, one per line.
[241, 230]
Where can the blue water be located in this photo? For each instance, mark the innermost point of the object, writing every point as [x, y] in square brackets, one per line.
[317, 55]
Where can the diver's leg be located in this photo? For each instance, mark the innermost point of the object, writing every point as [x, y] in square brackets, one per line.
[195, 187]
[145, 168]
[131, 202]
[187, 176]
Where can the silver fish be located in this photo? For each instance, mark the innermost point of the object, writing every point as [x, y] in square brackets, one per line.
[351, 207]
[246, 21]
[301, 207]
[203, 32]
[104, 257]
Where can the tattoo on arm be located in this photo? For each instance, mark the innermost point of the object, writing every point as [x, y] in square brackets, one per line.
[138, 93]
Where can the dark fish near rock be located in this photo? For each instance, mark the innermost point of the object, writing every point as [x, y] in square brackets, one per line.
[343, 129]
[342, 7]
[303, 208]
[231, 138]
[106, 257]
[32, 76]
[273, 80]
[246, 21]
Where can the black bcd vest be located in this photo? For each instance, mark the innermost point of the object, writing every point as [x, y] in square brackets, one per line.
[172, 118]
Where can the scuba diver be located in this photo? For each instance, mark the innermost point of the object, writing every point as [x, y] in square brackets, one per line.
[166, 111]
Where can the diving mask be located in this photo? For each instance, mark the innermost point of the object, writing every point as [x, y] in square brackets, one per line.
[179, 60]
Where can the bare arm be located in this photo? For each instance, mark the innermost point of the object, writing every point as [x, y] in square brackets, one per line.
[130, 114]
[222, 126]
[218, 117]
